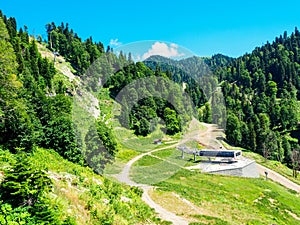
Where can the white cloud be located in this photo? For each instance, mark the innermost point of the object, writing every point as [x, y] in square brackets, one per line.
[137, 58]
[114, 42]
[173, 45]
[162, 49]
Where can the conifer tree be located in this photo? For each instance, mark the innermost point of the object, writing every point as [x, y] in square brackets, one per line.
[24, 184]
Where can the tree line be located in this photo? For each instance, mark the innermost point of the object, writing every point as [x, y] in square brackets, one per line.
[36, 111]
[261, 91]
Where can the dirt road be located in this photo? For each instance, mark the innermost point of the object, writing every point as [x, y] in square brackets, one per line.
[210, 137]
[278, 178]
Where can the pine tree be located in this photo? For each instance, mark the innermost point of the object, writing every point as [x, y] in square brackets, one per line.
[24, 184]
[233, 129]
[173, 125]
[16, 124]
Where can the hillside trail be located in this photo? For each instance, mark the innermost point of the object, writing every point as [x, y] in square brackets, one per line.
[92, 104]
[206, 136]
[124, 177]
[209, 135]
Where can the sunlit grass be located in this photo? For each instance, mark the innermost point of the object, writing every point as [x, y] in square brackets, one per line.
[129, 140]
[91, 198]
[235, 200]
[230, 200]
[151, 170]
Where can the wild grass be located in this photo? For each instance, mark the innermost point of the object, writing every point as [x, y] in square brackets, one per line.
[106, 105]
[234, 200]
[121, 158]
[219, 199]
[192, 144]
[86, 197]
[129, 140]
[173, 155]
[151, 170]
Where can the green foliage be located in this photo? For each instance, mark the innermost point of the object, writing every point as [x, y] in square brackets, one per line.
[141, 118]
[24, 193]
[172, 121]
[16, 127]
[101, 146]
[206, 113]
[262, 89]
[144, 95]
[102, 201]
[15, 216]
[24, 184]
[28, 117]
[60, 135]
[67, 43]
[107, 137]
[185, 71]
[233, 130]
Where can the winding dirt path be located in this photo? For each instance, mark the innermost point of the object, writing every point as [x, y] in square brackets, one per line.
[209, 137]
[164, 214]
[206, 136]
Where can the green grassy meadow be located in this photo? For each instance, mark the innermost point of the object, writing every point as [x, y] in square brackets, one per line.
[220, 199]
[234, 200]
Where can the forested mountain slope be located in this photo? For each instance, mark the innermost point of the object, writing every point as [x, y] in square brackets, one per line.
[261, 94]
[40, 185]
[261, 90]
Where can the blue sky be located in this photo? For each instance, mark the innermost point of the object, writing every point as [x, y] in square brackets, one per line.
[205, 27]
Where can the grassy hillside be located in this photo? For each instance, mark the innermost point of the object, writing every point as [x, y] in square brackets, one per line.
[85, 197]
[214, 199]
[233, 200]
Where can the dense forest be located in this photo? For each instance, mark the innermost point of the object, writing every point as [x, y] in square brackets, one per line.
[81, 54]
[261, 91]
[149, 97]
[29, 118]
[35, 111]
